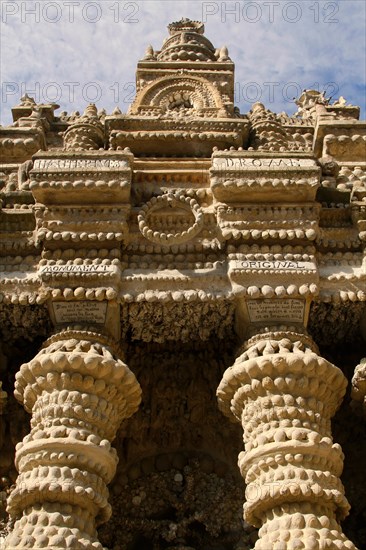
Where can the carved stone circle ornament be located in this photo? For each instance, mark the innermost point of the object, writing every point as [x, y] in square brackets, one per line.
[169, 235]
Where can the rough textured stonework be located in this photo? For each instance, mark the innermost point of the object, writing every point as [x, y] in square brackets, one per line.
[221, 256]
[284, 395]
[78, 392]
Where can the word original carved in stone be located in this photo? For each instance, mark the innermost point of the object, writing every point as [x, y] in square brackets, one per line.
[281, 265]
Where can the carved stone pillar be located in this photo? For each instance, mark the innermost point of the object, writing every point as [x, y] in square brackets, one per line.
[78, 392]
[285, 395]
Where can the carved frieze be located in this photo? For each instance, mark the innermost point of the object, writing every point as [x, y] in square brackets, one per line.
[19, 144]
[247, 177]
[81, 178]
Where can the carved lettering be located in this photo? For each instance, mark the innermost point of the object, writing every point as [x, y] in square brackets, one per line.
[285, 310]
[72, 164]
[250, 163]
[283, 265]
[73, 268]
[89, 312]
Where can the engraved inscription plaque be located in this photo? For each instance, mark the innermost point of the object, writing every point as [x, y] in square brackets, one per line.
[81, 164]
[82, 311]
[75, 268]
[285, 310]
[279, 265]
[246, 163]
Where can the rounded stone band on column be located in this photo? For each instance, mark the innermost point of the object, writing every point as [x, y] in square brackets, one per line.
[285, 395]
[78, 392]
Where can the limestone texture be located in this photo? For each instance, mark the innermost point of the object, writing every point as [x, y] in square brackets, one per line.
[221, 256]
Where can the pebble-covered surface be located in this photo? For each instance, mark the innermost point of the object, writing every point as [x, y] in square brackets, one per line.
[187, 499]
[187, 505]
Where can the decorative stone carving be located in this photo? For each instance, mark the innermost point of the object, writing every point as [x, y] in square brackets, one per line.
[19, 144]
[187, 43]
[267, 225]
[193, 110]
[310, 104]
[284, 395]
[86, 133]
[168, 234]
[269, 135]
[78, 392]
[246, 177]
[177, 94]
[350, 147]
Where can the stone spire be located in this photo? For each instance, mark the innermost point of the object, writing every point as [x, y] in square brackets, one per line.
[187, 43]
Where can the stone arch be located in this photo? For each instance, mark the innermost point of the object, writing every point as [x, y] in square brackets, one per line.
[166, 93]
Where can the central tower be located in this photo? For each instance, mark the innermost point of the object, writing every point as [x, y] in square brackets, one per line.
[184, 95]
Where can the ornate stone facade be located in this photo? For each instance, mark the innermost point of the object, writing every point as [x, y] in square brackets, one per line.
[221, 256]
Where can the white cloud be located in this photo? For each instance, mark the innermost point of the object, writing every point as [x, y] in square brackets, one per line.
[325, 45]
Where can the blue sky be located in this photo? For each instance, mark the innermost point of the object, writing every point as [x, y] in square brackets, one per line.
[75, 52]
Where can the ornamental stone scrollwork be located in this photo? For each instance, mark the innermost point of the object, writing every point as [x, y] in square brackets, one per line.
[78, 392]
[169, 205]
[170, 94]
[285, 395]
[19, 143]
[81, 200]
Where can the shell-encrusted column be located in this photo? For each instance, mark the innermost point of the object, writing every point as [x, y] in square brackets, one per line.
[284, 395]
[78, 392]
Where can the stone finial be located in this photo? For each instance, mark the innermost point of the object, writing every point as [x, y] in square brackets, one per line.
[27, 101]
[149, 53]
[341, 101]
[91, 111]
[310, 98]
[268, 134]
[186, 24]
[86, 133]
[224, 54]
